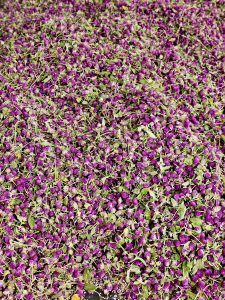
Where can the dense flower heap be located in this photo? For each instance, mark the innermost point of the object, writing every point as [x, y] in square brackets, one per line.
[112, 149]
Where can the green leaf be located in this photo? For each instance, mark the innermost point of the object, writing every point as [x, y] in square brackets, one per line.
[182, 210]
[200, 174]
[198, 264]
[139, 197]
[126, 232]
[144, 81]
[135, 269]
[222, 137]
[89, 287]
[191, 296]
[136, 191]
[146, 130]
[143, 192]
[13, 164]
[78, 258]
[18, 154]
[147, 214]
[149, 132]
[31, 221]
[65, 201]
[102, 87]
[121, 242]
[174, 202]
[153, 83]
[186, 268]
[120, 189]
[5, 110]
[21, 219]
[174, 228]
[208, 227]
[195, 221]
[86, 275]
[112, 217]
[145, 293]
[152, 194]
[14, 201]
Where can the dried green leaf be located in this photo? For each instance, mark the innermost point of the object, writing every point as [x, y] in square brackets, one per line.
[195, 221]
[198, 264]
[186, 268]
[144, 192]
[182, 210]
[126, 232]
[147, 214]
[31, 221]
[191, 295]
[174, 202]
[78, 258]
[222, 137]
[145, 292]
[86, 275]
[121, 242]
[89, 287]
[135, 269]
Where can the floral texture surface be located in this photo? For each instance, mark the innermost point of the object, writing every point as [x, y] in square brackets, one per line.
[112, 143]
